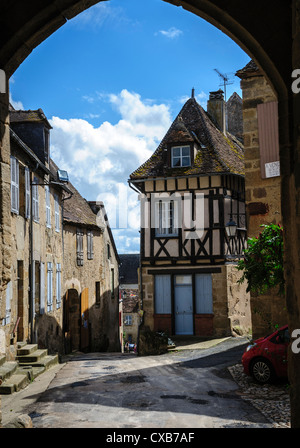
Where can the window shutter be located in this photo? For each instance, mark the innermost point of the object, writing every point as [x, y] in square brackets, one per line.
[204, 301]
[163, 294]
[42, 288]
[79, 237]
[268, 134]
[49, 287]
[90, 253]
[48, 207]
[8, 303]
[56, 210]
[35, 201]
[27, 193]
[58, 285]
[14, 170]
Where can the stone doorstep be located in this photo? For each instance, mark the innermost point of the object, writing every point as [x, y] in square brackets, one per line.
[18, 374]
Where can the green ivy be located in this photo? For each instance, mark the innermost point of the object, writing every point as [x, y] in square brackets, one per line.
[263, 261]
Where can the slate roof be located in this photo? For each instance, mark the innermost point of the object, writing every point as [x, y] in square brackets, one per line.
[129, 264]
[250, 69]
[21, 116]
[216, 154]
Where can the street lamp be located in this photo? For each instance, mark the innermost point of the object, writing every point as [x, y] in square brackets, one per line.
[231, 227]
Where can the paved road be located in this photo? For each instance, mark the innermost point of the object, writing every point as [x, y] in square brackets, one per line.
[183, 389]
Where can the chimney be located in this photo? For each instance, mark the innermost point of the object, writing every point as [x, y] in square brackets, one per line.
[216, 109]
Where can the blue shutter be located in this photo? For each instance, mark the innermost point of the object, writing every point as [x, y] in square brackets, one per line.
[204, 302]
[163, 294]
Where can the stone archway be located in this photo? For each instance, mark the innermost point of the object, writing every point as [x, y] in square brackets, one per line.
[268, 31]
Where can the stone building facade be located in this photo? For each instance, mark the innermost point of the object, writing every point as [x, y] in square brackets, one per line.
[263, 189]
[32, 308]
[91, 277]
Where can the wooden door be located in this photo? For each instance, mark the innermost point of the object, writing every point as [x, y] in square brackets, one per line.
[84, 313]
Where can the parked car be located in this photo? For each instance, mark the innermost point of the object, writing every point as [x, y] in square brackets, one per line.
[266, 358]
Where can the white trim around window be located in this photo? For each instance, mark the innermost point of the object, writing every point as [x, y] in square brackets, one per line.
[14, 181]
[180, 156]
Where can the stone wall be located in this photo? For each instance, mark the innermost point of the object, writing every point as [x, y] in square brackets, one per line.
[263, 196]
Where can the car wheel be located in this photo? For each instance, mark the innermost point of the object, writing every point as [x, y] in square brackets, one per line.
[262, 370]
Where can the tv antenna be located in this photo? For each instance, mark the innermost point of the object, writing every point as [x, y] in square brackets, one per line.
[225, 79]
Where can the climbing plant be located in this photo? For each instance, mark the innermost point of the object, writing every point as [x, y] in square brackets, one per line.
[262, 265]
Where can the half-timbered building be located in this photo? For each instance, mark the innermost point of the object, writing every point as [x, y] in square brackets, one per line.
[190, 189]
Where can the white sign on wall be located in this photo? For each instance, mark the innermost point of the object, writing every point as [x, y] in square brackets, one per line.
[272, 169]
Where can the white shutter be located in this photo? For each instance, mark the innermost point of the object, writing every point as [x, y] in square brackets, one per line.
[48, 206]
[27, 193]
[42, 288]
[14, 171]
[49, 287]
[58, 285]
[35, 201]
[163, 294]
[56, 211]
[90, 253]
[8, 303]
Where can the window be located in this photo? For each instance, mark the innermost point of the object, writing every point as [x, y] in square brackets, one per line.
[79, 247]
[58, 285]
[90, 253]
[166, 218]
[27, 193]
[48, 206]
[98, 293]
[181, 156]
[56, 211]
[35, 200]
[49, 287]
[14, 177]
[108, 251]
[128, 320]
[112, 277]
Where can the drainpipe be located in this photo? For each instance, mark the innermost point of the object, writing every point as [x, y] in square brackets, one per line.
[32, 271]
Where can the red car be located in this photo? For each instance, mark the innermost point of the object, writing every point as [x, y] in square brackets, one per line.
[266, 358]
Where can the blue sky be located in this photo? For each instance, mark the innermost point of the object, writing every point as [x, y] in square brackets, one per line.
[111, 81]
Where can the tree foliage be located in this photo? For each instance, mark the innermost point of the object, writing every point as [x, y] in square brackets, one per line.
[263, 261]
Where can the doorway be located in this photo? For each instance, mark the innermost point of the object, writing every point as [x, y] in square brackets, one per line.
[184, 310]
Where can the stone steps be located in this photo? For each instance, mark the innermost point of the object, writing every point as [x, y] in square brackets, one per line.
[30, 362]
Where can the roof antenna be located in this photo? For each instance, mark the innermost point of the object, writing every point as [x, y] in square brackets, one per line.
[226, 81]
[193, 92]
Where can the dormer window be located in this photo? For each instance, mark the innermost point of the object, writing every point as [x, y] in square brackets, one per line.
[181, 156]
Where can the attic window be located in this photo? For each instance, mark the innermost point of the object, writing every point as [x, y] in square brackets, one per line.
[181, 156]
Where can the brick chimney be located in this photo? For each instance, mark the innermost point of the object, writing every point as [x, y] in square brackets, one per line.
[216, 109]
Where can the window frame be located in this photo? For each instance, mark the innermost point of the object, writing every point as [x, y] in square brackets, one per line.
[56, 213]
[48, 206]
[58, 285]
[166, 217]
[181, 156]
[49, 286]
[35, 200]
[27, 193]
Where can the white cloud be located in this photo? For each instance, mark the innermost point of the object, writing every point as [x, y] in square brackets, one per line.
[18, 105]
[98, 15]
[100, 159]
[171, 33]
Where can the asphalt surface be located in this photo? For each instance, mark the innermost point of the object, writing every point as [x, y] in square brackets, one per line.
[187, 388]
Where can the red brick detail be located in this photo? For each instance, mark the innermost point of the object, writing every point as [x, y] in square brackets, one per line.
[163, 322]
[204, 324]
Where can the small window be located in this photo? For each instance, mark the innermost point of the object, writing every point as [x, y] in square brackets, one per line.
[48, 206]
[128, 320]
[108, 251]
[181, 156]
[56, 211]
[14, 175]
[98, 293]
[112, 278]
